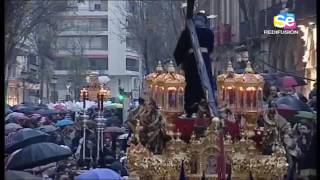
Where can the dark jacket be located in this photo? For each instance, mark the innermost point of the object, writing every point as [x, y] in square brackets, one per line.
[193, 90]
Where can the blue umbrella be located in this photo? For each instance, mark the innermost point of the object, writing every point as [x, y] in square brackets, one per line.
[99, 174]
[64, 122]
[294, 103]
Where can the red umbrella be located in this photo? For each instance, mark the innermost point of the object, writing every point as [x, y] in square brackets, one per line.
[290, 81]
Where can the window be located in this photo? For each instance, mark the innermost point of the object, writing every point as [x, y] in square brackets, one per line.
[132, 64]
[97, 7]
[98, 25]
[131, 44]
[61, 64]
[82, 24]
[98, 63]
[98, 42]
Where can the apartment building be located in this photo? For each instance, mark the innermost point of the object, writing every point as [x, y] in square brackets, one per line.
[95, 30]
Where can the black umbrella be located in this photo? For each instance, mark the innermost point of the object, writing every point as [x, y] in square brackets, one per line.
[49, 112]
[23, 138]
[47, 128]
[37, 155]
[24, 109]
[294, 103]
[20, 175]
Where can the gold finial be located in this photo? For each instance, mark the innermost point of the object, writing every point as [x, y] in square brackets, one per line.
[171, 68]
[248, 68]
[178, 133]
[230, 68]
[159, 67]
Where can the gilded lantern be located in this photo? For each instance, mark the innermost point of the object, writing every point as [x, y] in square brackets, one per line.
[150, 80]
[249, 91]
[170, 90]
[227, 88]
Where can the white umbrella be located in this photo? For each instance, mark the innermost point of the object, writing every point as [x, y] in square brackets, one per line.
[123, 136]
[103, 79]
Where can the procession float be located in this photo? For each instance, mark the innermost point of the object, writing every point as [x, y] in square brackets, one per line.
[161, 146]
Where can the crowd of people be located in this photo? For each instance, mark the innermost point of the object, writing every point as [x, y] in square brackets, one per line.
[66, 130]
[298, 135]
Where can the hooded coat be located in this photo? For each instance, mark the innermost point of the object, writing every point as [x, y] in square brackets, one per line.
[193, 90]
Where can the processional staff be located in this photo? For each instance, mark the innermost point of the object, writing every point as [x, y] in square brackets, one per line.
[84, 94]
[101, 95]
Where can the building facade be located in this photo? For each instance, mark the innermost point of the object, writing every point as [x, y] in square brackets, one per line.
[23, 79]
[240, 25]
[94, 31]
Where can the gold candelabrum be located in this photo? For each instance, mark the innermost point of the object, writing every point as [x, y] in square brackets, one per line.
[84, 94]
[245, 159]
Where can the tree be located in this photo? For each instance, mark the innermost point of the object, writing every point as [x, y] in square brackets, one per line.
[21, 18]
[154, 26]
[77, 62]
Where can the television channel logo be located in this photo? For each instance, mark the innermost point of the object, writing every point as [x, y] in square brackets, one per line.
[285, 21]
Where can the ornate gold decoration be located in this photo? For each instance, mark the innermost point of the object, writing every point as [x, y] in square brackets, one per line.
[94, 87]
[167, 89]
[227, 88]
[245, 158]
[151, 77]
[241, 93]
[195, 155]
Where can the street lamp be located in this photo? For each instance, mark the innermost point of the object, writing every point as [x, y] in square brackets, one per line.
[68, 85]
[24, 76]
[54, 82]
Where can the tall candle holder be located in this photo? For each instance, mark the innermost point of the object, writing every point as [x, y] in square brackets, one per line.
[84, 94]
[102, 94]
